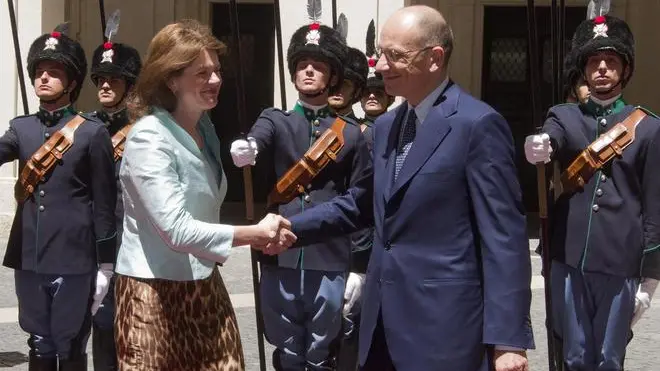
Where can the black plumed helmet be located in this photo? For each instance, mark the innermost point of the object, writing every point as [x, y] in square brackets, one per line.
[356, 68]
[604, 33]
[58, 47]
[321, 43]
[117, 60]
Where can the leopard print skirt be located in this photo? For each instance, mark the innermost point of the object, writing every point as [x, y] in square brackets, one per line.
[176, 325]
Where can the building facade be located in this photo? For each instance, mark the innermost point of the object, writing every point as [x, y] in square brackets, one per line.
[490, 58]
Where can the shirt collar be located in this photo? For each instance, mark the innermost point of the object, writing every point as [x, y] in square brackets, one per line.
[423, 108]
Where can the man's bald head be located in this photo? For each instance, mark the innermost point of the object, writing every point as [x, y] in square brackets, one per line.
[426, 27]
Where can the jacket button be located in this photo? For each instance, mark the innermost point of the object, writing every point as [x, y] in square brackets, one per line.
[47, 135]
[42, 193]
[41, 208]
[603, 178]
[317, 133]
[603, 122]
[316, 122]
[307, 198]
[599, 192]
[388, 246]
[595, 208]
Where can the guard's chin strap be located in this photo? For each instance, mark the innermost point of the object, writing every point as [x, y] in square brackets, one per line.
[121, 101]
[54, 100]
[313, 95]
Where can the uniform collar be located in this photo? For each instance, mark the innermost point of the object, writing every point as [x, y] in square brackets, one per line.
[311, 112]
[50, 118]
[113, 120]
[599, 110]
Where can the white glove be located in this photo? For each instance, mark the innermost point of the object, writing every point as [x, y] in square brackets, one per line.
[244, 152]
[353, 291]
[538, 148]
[643, 298]
[103, 277]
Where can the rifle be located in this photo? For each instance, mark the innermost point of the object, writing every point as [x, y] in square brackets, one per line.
[17, 53]
[540, 171]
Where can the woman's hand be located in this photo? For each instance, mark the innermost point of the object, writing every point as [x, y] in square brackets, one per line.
[271, 235]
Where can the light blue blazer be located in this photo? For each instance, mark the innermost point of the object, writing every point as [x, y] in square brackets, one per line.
[172, 201]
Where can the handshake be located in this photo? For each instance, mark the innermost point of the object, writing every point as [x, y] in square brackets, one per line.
[272, 235]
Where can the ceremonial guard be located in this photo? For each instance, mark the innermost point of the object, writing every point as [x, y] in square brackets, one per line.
[341, 101]
[115, 68]
[374, 100]
[315, 157]
[62, 241]
[605, 229]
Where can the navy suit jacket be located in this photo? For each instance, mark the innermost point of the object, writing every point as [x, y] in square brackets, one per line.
[450, 268]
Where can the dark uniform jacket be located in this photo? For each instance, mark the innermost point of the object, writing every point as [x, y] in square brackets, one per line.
[612, 226]
[114, 124]
[282, 139]
[67, 226]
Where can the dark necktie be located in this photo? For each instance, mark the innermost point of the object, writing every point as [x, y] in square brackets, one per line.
[406, 139]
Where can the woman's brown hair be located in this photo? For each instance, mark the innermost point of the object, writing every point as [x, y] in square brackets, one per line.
[173, 49]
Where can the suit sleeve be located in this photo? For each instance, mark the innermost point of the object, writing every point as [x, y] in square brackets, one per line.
[9, 145]
[150, 178]
[497, 202]
[342, 215]
[651, 209]
[104, 193]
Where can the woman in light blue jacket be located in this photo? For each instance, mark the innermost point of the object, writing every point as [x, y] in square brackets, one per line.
[173, 311]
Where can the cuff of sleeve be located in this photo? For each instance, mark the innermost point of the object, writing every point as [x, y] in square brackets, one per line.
[650, 266]
[106, 250]
[219, 248]
[505, 348]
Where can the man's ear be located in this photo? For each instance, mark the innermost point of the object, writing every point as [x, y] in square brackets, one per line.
[72, 86]
[438, 55]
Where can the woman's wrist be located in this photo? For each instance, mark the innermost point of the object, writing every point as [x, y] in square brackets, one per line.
[248, 235]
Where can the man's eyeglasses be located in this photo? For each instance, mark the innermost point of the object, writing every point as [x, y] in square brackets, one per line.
[398, 56]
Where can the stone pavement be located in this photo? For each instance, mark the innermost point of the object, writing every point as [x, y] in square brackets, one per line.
[642, 354]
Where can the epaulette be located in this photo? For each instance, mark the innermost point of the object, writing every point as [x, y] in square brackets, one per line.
[270, 110]
[648, 111]
[349, 120]
[90, 116]
[24, 116]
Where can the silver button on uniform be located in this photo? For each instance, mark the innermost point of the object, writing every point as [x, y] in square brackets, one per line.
[603, 122]
[599, 192]
[47, 135]
[603, 178]
[595, 208]
[41, 208]
[307, 198]
[42, 193]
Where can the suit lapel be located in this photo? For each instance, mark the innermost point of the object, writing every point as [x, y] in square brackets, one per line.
[429, 136]
[389, 154]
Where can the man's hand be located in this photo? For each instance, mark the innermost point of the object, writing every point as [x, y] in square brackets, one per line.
[103, 277]
[353, 291]
[510, 360]
[244, 152]
[538, 148]
[276, 235]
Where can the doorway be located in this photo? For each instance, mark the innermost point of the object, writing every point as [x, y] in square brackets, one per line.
[506, 76]
[256, 26]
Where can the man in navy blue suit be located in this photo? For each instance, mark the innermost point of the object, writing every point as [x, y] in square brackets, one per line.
[448, 282]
